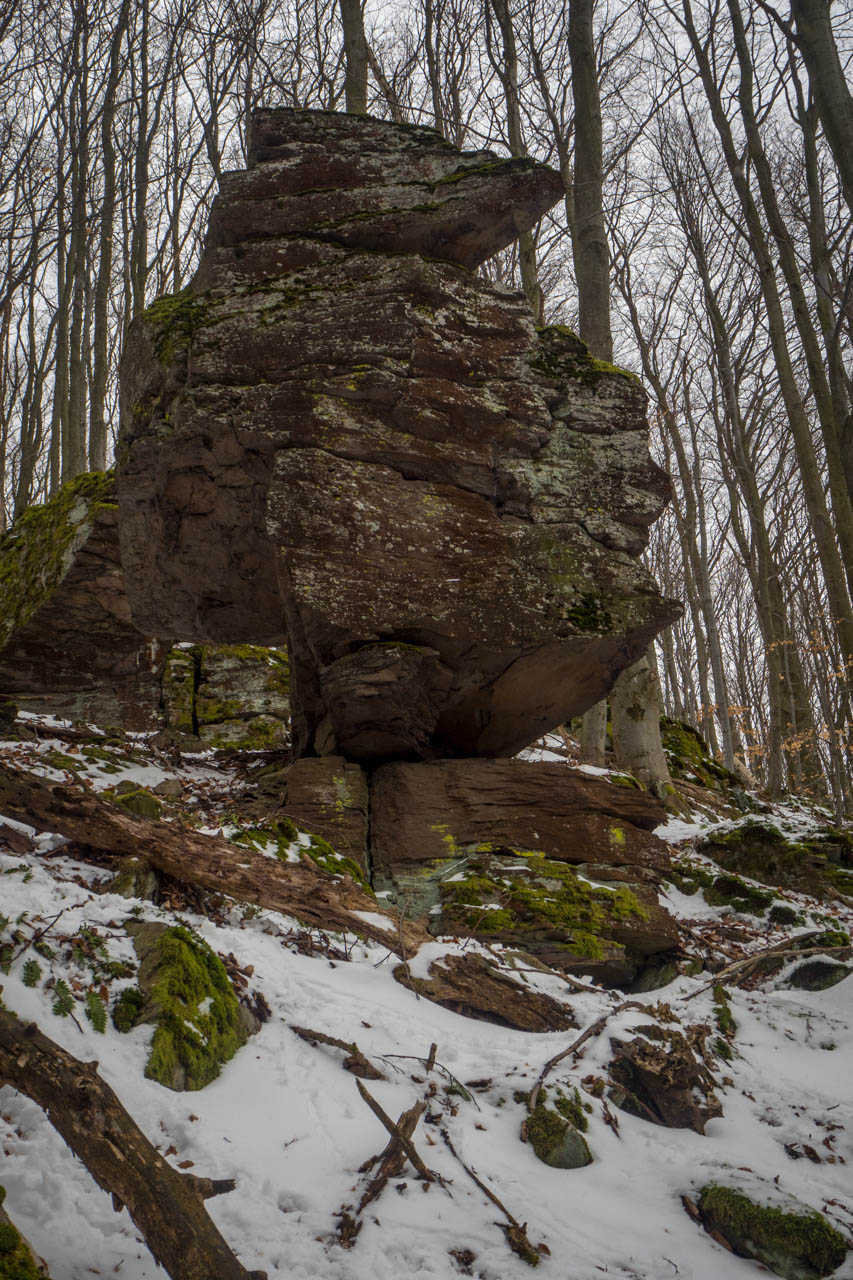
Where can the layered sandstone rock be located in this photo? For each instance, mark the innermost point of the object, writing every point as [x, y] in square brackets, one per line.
[228, 696]
[538, 857]
[342, 436]
[67, 641]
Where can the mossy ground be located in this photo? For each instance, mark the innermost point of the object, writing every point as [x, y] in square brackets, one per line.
[760, 850]
[689, 756]
[770, 1234]
[530, 894]
[37, 551]
[16, 1260]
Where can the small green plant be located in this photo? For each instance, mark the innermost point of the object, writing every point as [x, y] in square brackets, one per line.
[31, 973]
[96, 1011]
[63, 1001]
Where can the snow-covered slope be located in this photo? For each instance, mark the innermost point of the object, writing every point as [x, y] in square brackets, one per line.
[287, 1122]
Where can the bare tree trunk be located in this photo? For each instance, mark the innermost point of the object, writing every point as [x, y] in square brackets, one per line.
[507, 69]
[355, 48]
[97, 423]
[635, 702]
[639, 740]
[590, 251]
[828, 83]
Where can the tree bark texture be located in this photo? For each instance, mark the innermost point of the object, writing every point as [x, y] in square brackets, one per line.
[828, 84]
[166, 1206]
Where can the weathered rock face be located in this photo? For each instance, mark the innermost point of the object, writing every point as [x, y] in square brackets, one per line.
[341, 435]
[228, 696]
[67, 642]
[420, 812]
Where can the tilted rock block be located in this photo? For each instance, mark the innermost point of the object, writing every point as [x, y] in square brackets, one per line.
[342, 436]
[67, 641]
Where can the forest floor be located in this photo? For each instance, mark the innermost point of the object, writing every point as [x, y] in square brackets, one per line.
[287, 1122]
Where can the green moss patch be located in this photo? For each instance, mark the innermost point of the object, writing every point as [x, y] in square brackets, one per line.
[529, 896]
[186, 993]
[38, 550]
[798, 1246]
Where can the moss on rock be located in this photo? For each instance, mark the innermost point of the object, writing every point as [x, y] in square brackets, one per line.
[187, 995]
[173, 319]
[526, 896]
[689, 756]
[760, 850]
[38, 550]
[557, 1138]
[797, 1246]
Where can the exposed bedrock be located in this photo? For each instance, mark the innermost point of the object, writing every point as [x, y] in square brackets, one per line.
[341, 436]
[67, 642]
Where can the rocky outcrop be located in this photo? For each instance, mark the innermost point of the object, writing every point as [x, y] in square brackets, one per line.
[339, 434]
[441, 808]
[228, 696]
[67, 641]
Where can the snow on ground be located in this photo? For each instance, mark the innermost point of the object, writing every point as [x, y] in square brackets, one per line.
[287, 1122]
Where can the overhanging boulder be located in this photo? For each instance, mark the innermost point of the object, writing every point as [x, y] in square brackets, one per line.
[340, 435]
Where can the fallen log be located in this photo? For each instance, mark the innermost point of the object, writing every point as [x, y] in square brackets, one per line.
[295, 888]
[301, 889]
[167, 1207]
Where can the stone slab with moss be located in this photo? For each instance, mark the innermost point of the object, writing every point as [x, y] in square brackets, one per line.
[184, 990]
[794, 1242]
[821, 865]
[67, 640]
[523, 900]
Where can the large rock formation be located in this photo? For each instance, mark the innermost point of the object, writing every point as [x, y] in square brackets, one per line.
[68, 644]
[341, 435]
[67, 641]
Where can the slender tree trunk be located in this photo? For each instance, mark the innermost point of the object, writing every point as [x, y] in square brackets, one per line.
[355, 49]
[590, 250]
[828, 83]
[507, 68]
[97, 420]
[636, 707]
